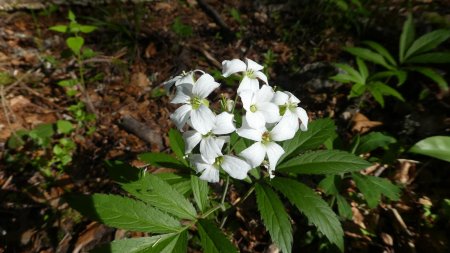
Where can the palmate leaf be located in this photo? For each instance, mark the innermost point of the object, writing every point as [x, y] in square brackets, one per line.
[200, 189]
[313, 207]
[407, 37]
[318, 132]
[177, 144]
[433, 75]
[155, 244]
[324, 162]
[435, 57]
[373, 187]
[369, 55]
[274, 217]
[427, 42]
[213, 240]
[158, 193]
[352, 73]
[436, 146]
[386, 90]
[382, 51]
[124, 213]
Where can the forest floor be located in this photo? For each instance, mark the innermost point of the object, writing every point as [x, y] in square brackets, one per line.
[138, 47]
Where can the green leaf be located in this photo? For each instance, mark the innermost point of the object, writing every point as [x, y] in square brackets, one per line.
[313, 207]
[274, 217]
[407, 37]
[376, 94]
[369, 55]
[75, 44]
[436, 146]
[64, 126]
[324, 162]
[59, 28]
[68, 82]
[345, 78]
[427, 42]
[318, 132]
[373, 141]
[71, 16]
[344, 208]
[161, 160]
[158, 193]
[329, 185]
[177, 144]
[399, 74]
[154, 244]
[16, 140]
[427, 58]
[352, 72]
[357, 90]
[200, 189]
[362, 67]
[124, 213]
[433, 75]
[381, 50]
[372, 188]
[386, 90]
[213, 240]
[87, 28]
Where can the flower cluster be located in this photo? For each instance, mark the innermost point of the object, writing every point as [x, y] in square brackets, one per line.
[270, 117]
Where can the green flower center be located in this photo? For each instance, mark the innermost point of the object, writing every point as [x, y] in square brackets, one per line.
[250, 74]
[218, 161]
[253, 108]
[287, 106]
[196, 102]
[265, 137]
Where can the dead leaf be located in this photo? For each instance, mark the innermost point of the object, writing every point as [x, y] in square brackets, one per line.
[362, 124]
[150, 51]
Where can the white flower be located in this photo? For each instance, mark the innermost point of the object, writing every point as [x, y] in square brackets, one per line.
[234, 166]
[210, 143]
[196, 107]
[184, 77]
[251, 70]
[290, 111]
[259, 108]
[265, 143]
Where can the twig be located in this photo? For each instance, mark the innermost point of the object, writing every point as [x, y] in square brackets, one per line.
[208, 10]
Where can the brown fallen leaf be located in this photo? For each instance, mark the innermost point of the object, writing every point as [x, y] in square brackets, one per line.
[362, 124]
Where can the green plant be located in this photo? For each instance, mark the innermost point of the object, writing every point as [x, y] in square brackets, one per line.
[435, 146]
[177, 206]
[413, 54]
[181, 29]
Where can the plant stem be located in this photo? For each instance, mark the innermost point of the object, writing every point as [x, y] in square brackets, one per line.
[210, 211]
[224, 194]
[83, 85]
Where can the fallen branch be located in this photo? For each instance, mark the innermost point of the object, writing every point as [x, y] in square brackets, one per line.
[208, 10]
[141, 130]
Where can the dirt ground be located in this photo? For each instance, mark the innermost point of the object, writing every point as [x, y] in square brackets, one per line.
[138, 47]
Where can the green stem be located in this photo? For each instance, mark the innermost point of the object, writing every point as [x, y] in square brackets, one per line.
[224, 194]
[83, 85]
[210, 211]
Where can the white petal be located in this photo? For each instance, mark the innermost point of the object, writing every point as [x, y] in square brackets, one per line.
[183, 95]
[286, 128]
[303, 116]
[248, 84]
[233, 66]
[292, 98]
[191, 140]
[255, 119]
[204, 86]
[220, 140]
[186, 78]
[180, 116]
[235, 167]
[253, 65]
[167, 84]
[250, 133]
[209, 149]
[261, 76]
[211, 175]
[203, 119]
[265, 94]
[224, 124]
[274, 152]
[270, 111]
[280, 98]
[254, 154]
[246, 98]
